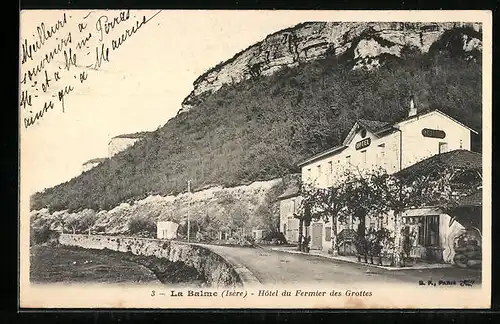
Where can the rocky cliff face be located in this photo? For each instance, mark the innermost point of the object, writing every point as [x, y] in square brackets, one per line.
[365, 44]
[220, 204]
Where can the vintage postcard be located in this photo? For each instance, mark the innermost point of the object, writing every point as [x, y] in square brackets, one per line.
[255, 159]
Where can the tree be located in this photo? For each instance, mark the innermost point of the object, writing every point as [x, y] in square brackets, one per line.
[324, 203]
[141, 224]
[60, 220]
[374, 193]
[304, 213]
[88, 220]
[436, 185]
[362, 198]
[226, 122]
[73, 222]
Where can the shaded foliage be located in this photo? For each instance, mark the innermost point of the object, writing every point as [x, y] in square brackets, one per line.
[141, 224]
[260, 128]
[39, 235]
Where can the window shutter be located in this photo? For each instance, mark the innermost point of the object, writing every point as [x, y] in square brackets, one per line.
[328, 233]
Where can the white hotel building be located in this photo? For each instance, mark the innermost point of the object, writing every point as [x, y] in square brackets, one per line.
[369, 145]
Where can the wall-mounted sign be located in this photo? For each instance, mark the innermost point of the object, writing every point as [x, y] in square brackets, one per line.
[363, 143]
[434, 133]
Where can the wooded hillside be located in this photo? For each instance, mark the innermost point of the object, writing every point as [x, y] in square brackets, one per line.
[260, 128]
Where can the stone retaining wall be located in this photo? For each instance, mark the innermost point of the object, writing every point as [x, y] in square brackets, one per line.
[217, 271]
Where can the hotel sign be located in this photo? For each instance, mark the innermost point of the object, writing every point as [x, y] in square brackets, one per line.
[363, 143]
[434, 133]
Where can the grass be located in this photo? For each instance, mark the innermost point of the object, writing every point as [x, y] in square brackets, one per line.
[51, 264]
[64, 264]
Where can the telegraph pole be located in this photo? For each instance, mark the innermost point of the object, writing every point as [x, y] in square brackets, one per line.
[188, 220]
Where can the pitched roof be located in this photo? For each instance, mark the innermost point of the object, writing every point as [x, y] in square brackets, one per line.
[133, 135]
[372, 125]
[96, 160]
[439, 112]
[291, 191]
[462, 159]
[379, 128]
[322, 154]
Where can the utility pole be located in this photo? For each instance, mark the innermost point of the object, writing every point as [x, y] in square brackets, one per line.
[189, 202]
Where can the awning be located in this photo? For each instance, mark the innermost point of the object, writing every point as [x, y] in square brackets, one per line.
[468, 212]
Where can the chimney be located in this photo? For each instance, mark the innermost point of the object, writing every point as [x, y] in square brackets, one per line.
[413, 110]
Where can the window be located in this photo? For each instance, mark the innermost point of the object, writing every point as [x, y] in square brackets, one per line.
[293, 204]
[461, 143]
[381, 155]
[425, 228]
[443, 147]
[308, 174]
[330, 173]
[319, 177]
[432, 230]
[363, 157]
[348, 158]
[348, 222]
[328, 233]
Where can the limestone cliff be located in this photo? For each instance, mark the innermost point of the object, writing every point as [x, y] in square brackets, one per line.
[251, 206]
[122, 142]
[363, 43]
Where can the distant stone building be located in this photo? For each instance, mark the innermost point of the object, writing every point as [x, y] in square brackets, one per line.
[124, 141]
[258, 234]
[116, 145]
[289, 202]
[92, 164]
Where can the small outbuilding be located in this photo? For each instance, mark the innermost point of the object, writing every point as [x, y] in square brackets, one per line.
[166, 230]
[258, 234]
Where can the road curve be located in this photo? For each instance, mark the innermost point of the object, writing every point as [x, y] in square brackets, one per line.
[276, 267]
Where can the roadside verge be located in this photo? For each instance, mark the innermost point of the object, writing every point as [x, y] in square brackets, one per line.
[351, 260]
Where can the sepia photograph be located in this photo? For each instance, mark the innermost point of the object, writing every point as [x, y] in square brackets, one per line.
[255, 159]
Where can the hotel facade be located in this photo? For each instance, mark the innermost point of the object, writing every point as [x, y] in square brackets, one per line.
[392, 146]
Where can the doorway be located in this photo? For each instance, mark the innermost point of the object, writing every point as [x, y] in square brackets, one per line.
[423, 235]
[317, 236]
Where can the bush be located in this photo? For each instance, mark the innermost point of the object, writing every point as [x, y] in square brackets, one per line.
[140, 225]
[260, 128]
[250, 239]
[42, 234]
[100, 229]
[277, 237]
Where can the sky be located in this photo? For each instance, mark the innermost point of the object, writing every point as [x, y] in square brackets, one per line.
[142, 84]
[140, 88]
